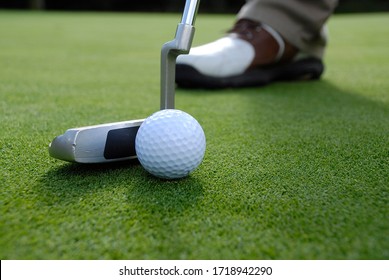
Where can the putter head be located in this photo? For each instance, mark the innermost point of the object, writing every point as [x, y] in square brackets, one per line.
[97, 144]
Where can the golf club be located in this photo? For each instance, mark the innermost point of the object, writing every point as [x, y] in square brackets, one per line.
[116, 141]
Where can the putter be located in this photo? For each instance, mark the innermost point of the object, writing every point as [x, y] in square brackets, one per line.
[116, 141]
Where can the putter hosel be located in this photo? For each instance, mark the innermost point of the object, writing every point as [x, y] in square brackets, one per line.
[180, 45]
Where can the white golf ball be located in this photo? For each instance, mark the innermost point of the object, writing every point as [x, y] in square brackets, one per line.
[170, 144]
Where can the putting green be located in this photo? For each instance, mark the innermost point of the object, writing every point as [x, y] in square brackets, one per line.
[291, 171]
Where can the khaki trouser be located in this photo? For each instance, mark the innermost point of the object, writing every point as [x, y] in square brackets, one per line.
[301, 22]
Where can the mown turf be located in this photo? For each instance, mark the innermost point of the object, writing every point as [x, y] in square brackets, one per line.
[292, 170]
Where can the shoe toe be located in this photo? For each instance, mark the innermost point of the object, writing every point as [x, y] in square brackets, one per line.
[222, 58]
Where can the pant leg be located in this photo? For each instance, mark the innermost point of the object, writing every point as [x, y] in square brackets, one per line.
[301, 22]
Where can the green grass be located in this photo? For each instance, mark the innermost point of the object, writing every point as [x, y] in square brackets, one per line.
[291, 171]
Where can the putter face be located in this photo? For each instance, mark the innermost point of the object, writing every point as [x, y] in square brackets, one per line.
[97, 144]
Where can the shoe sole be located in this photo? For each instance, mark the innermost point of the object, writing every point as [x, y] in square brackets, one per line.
[305, 69]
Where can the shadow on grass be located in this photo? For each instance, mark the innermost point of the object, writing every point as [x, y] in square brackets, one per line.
[70, 182]
[161, 196]
[301, 131]
[281, 101]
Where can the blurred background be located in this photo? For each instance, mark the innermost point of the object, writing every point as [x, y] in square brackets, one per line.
[207, 6]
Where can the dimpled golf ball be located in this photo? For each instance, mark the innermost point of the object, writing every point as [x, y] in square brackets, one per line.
[170, 144]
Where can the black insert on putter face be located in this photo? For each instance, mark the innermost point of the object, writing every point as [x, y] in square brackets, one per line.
[120, 143]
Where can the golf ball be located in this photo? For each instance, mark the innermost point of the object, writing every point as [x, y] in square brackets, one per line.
[170, 144]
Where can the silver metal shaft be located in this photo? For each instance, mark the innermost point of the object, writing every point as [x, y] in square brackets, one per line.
[190, 12]
[180, 45]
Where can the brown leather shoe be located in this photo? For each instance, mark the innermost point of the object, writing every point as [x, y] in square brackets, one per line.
[269, 46]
